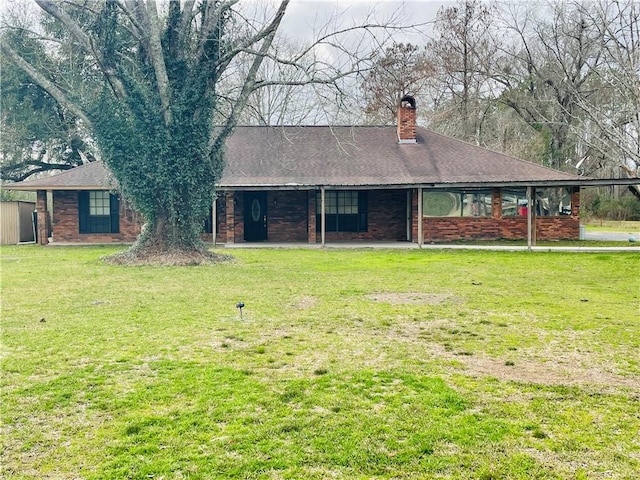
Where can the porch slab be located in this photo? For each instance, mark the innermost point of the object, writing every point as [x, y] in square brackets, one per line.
[414, 246]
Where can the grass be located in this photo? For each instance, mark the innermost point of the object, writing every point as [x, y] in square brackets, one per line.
[576, 244]
[596, 225]
[345, 364]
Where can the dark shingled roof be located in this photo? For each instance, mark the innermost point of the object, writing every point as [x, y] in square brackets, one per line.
[310, 156]
[367, 156]
[90, 176]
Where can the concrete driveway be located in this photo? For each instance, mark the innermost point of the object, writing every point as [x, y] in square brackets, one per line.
[612, 236]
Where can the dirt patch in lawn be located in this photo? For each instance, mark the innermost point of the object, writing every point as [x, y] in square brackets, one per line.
[416, 298]
[305, 302]
[531, 371]
[538, 366]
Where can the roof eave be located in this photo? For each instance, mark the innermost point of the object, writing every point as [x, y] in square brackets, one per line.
[576, 182]
[35, 188]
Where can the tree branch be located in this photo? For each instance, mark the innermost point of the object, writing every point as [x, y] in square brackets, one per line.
[134, 21]
[10, 171]
[85, 42]
[211, 17]
[157, 59]
[53, 10]
[46, 84]
[249, 84]
[187, 18]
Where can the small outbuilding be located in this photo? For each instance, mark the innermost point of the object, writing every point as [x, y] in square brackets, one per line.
[17, 222]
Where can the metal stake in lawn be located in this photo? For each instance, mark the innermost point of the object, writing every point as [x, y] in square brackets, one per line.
[240, 305]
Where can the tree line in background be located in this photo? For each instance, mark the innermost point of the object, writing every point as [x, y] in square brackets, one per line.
[556, 82]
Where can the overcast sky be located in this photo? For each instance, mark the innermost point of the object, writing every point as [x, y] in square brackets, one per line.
[303, 15]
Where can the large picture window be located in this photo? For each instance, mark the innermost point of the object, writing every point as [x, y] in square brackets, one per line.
[456, 203]
[98, 212]
[345, 211]
[549, 202]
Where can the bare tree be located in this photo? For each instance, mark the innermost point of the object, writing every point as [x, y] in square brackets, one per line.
[401, 69]
[157, 109]
[613, 110]
[547, 70]
[38, 135]
[462, 52]
[290, 102]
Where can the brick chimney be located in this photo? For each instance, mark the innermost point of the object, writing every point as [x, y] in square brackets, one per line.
[407, 120]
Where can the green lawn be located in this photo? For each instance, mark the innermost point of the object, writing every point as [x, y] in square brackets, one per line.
[613, 226]
[345, 364]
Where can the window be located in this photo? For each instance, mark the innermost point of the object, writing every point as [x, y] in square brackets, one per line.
[98, 212]
[549, 202]
[514, 202]
[345, 211]
[99, 204]
[457, 203]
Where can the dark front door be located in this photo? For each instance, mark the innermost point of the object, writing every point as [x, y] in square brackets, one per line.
[255, 216]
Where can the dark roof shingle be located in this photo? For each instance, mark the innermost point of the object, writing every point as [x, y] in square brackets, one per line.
[310, 156]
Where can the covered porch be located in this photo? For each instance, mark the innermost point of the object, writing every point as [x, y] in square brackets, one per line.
[324, 214]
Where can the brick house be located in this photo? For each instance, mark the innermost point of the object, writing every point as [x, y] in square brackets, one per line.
[321, 184]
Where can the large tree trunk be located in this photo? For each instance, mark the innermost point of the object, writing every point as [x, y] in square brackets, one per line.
[167, 234]
[167, 241]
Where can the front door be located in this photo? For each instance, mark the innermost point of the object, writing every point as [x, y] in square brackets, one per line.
[255, 216]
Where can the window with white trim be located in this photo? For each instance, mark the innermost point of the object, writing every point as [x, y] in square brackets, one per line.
[99, 203]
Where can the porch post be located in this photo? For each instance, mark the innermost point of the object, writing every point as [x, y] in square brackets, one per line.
[420, 226]
[534, 216]
[529, 218]
[231, 220]
[214, 220]
[42, 217]
[409, 212]
[311, 215]
[323, 220]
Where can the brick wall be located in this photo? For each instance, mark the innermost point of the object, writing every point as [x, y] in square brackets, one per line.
[292, 217]
[221, 218]
[508, 228]
[233, 218]
[42, 217]
[312, 233]
[287, 216]
[66, 227]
